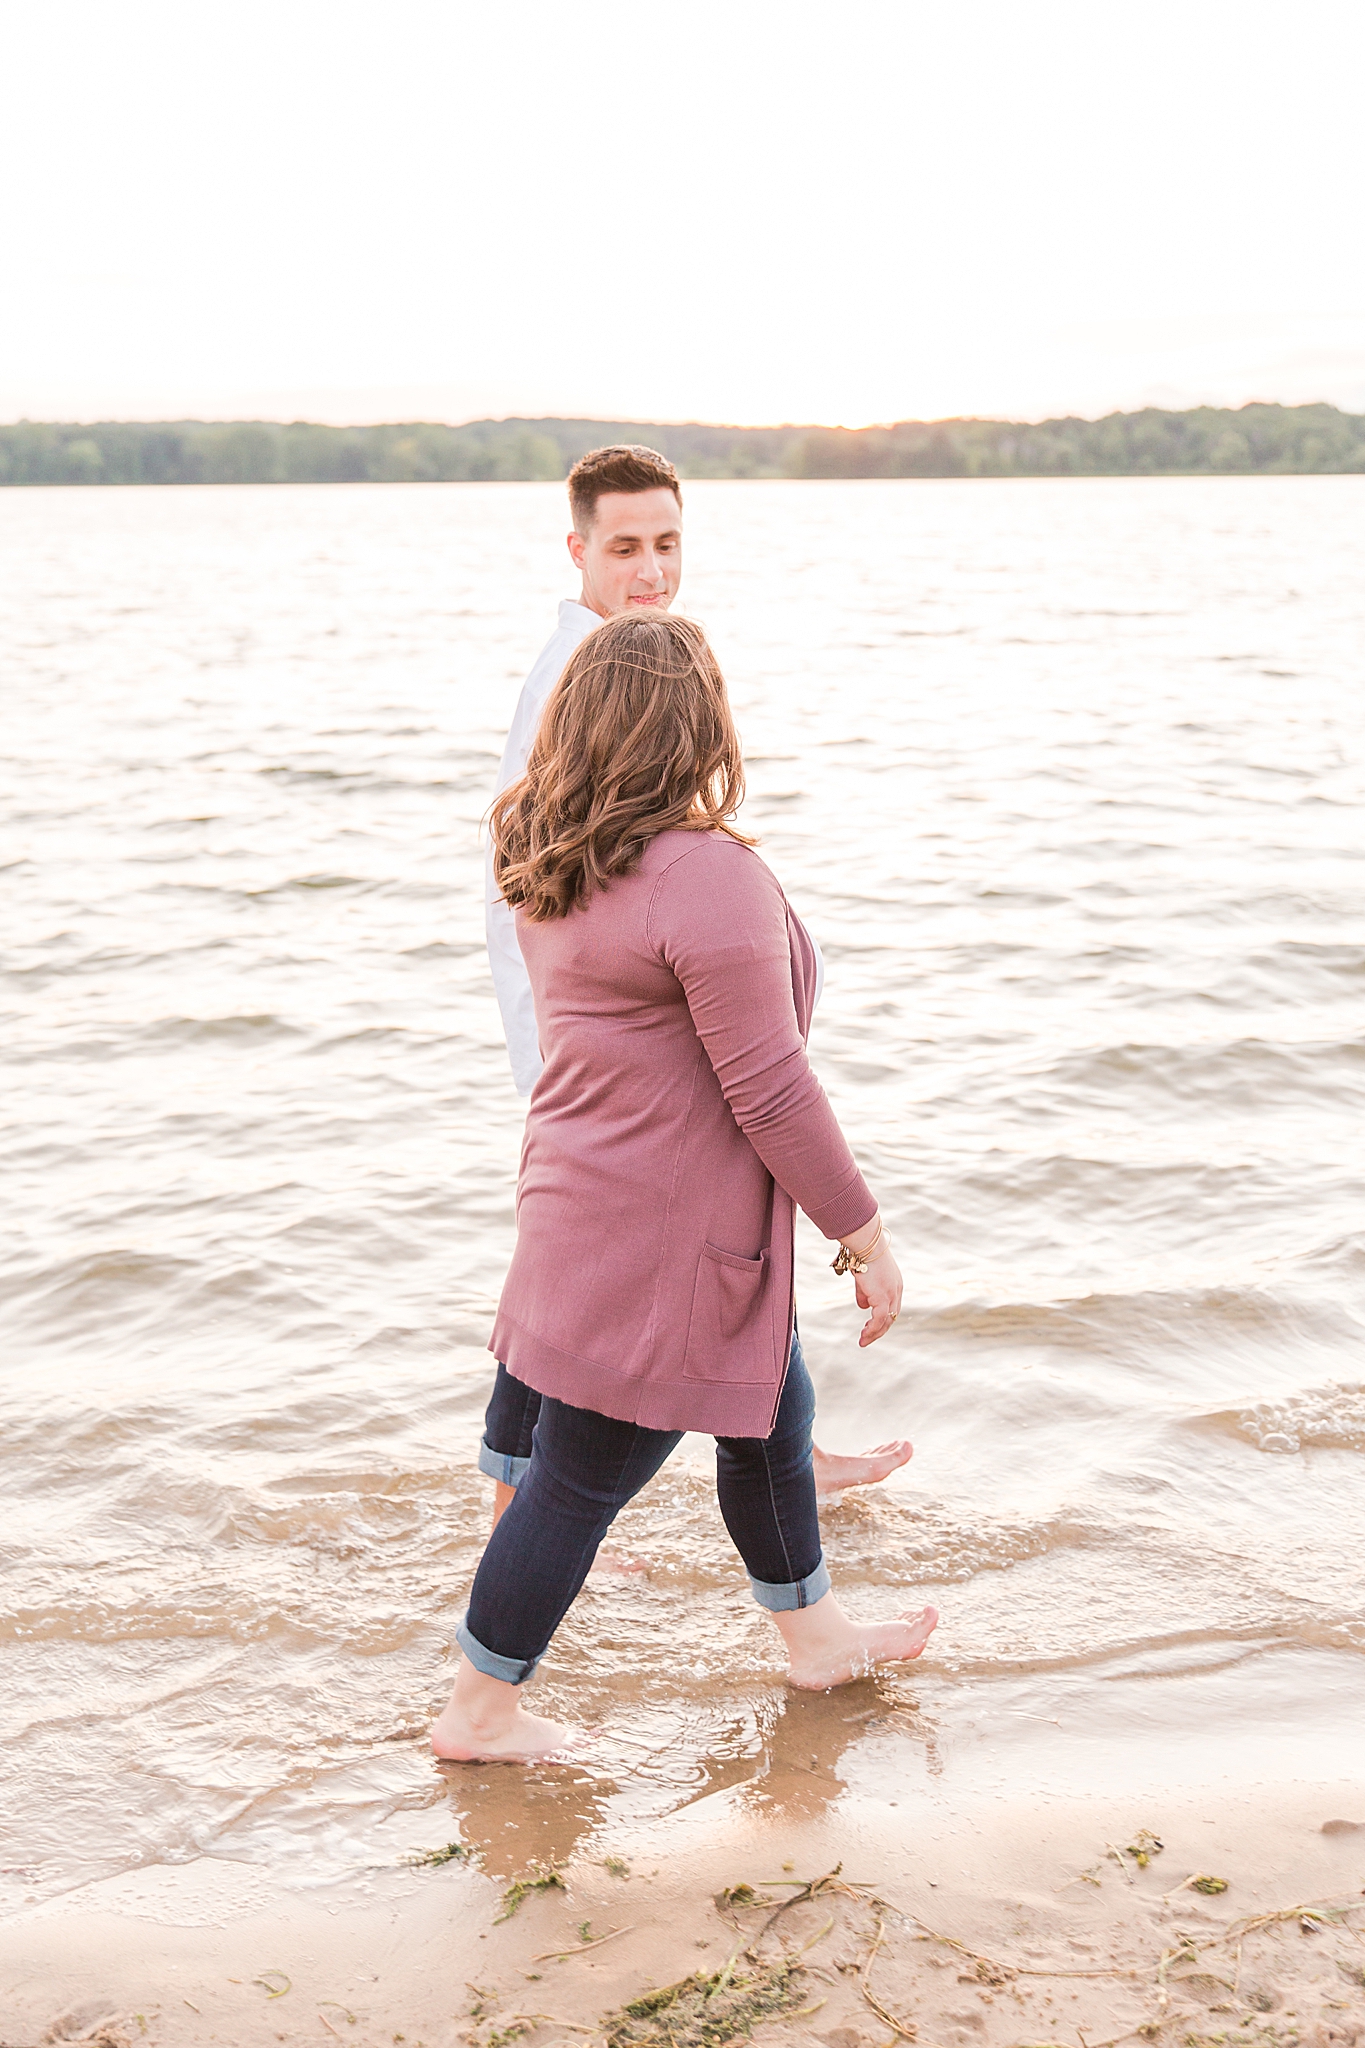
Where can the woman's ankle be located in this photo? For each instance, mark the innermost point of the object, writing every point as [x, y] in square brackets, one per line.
[486, 1705]
[799, 1627]
[825, 1647]
[479, 1725]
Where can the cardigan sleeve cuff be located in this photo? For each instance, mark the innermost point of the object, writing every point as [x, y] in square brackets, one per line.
[847, 1212]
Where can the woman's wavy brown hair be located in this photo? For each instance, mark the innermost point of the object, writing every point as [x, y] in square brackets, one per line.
[636, 739]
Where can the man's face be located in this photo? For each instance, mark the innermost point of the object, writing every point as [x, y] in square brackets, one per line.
[631, 555]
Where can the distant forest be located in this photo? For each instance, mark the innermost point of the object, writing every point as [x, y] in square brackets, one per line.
[1256, 440]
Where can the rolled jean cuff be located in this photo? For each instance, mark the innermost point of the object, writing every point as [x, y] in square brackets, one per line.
[512, 1670]
[783, 1599]
[498, 1465]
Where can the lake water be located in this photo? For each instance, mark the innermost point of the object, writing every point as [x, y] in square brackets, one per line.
[1066, 777]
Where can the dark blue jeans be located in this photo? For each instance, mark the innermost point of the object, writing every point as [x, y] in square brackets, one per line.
[583, 1468]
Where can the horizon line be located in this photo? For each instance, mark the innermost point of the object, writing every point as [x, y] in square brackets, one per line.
[726, 426]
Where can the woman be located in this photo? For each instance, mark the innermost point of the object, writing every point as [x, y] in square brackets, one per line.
[675, 1126]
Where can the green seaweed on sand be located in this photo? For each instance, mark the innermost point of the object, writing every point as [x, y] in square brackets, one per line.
[1143, 1847]
[833, 1885]
[1197, 1881]
[1240, 2037]
[740, 1898]
[502, 2036]
[431, 1859]
[541, 1877]
[706, 2011]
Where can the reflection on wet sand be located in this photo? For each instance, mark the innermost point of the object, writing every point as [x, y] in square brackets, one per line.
[785, 1751]
[511, 1817]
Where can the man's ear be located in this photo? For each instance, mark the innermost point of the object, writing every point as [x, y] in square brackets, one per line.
[577, 545]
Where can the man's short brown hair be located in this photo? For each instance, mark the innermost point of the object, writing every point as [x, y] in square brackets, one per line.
[619, 468]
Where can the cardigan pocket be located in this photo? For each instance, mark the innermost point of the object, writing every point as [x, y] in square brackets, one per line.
[730, 1332]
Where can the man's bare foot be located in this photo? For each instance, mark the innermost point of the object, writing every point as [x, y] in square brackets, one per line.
[826, 1648]
[616, 1564]
[833, 1473]
[485, 1722]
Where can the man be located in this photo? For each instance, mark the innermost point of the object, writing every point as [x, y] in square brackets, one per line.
[626, 545]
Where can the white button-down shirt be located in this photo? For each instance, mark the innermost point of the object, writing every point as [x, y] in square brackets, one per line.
[510, 979]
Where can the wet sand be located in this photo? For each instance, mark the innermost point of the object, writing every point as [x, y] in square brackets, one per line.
[953, 1923]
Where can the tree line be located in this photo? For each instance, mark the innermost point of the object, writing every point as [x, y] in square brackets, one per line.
[1269, 440]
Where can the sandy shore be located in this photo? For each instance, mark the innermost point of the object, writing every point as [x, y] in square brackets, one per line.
[951, 1924]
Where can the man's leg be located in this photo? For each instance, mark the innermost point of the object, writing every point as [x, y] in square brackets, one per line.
[584, 1467]
[766, 1487]
[508, 1425]
[505, 1452]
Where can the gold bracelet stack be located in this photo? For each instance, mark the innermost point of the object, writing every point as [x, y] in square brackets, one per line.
[846, 1260]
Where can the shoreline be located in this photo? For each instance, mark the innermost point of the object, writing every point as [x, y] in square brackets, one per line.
[1254, 439]
[1002, 1922]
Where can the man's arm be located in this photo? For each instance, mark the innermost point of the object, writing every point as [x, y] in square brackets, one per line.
[511, 982]
[512, 985]
[510, 979]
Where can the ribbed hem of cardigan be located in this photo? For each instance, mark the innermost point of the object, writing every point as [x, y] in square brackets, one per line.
[512, 1670]
[712, 1407]
[784, 1599]
[498, 1465]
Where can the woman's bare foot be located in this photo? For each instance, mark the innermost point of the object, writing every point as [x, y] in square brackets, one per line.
[485, 1722]
[826, 1648]
[833, 1473]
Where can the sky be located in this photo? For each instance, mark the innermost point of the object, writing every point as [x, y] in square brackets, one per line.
[741, 210]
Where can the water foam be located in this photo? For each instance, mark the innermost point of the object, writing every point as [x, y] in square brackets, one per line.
[1330, 1418]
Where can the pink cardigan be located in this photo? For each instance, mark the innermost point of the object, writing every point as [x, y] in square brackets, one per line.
[675, 1126]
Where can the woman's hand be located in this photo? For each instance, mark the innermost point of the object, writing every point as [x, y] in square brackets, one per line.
[881, 1286]
[879, 1289]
